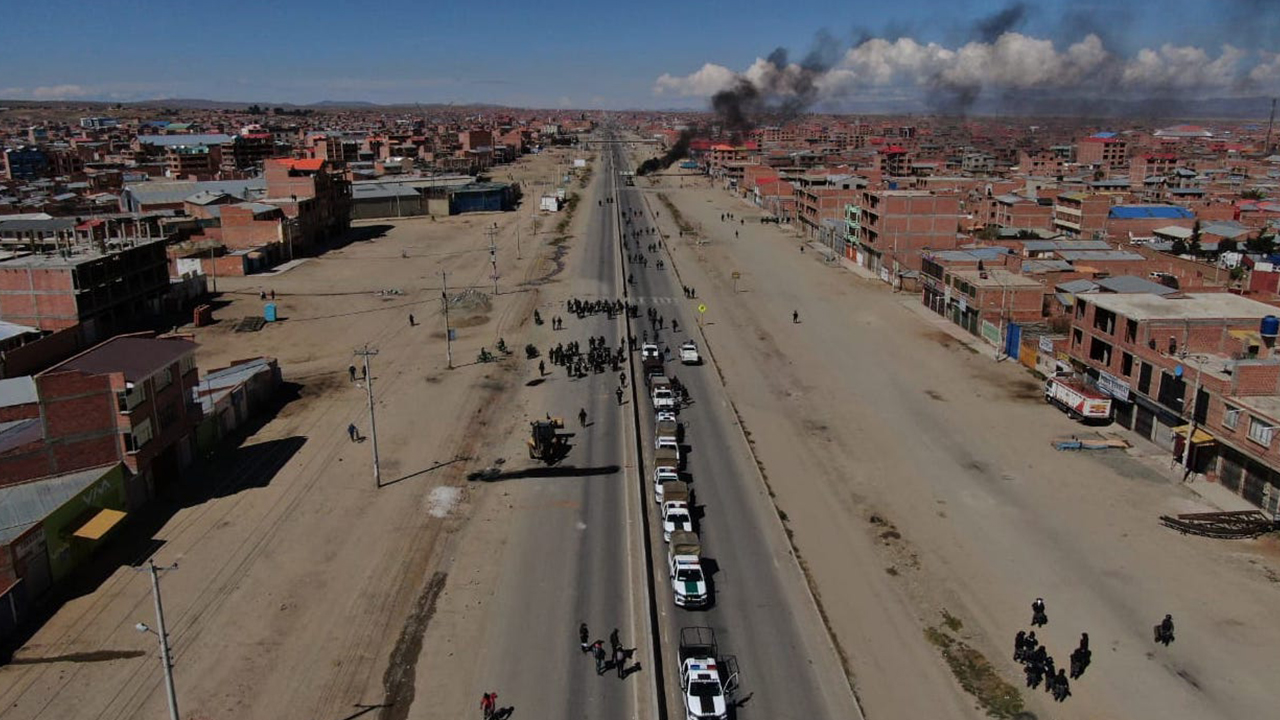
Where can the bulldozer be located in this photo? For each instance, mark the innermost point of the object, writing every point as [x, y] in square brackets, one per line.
[545, 443]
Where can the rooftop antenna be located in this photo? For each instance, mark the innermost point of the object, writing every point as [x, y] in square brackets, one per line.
[1270, 124]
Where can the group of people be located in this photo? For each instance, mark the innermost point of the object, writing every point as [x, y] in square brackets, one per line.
[1038, 665]
[597, 357]
[617, 652]
[583, 308]
[690, 292]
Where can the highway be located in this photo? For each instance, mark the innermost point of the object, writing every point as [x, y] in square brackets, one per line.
[762, 612]
[573, 553]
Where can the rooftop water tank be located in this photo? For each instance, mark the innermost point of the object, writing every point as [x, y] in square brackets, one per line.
[1270, 327]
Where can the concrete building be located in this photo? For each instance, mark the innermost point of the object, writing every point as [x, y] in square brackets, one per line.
[104, 287]
[1202, 358]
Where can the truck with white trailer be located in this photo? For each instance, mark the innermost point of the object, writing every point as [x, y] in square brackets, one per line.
[1079, 401]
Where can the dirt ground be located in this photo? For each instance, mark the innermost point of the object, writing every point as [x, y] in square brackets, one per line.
[929, 508]
[301, 589]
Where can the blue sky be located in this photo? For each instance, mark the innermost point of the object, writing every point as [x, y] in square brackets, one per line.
[548, 53]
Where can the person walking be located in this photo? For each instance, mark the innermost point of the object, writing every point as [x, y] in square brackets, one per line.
[353, 432]
[1038, 616]
[488, 705]
[351, 370]
[1164, 631]
[412, 322]
[597, 651]
[614, 642]
[618, 392]
[542, 368]
[584, 638]
[795, 316]
[1019, 644]
[582, 417]
[620, 661]
[622, 379]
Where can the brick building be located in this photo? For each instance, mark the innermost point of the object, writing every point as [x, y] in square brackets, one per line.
[896, 226]
[1170, 359]
[1104, 150]
[314, 194]
[1080, 214]
[102, 288]
[127, 400]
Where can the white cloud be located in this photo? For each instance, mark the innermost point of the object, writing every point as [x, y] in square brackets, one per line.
[1011, 62]
[705, 82]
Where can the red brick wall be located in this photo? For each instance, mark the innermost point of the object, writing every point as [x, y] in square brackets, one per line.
[40, 297]
[241, 231]
[75, 404]
[1255, 378]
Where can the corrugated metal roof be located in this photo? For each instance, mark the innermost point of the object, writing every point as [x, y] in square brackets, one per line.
[153, 193]
[1134, 284]
[1077, 287]
[166, 140]
[138, 358]
[17, 391]
[1099, 255]
[26, 504]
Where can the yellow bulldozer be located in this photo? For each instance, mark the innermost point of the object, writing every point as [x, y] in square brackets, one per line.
[545, 442]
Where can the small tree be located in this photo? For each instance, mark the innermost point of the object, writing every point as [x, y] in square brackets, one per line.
[1261, 244]
[1227, 245]
[1179, 247]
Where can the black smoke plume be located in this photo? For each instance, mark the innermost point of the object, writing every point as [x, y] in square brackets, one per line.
[989, 28]
[678, 151]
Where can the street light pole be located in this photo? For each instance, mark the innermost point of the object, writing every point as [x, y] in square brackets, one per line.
[163, 635]
[366, 353]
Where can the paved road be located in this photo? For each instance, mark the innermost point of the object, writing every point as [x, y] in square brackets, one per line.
[762, 613]
[573, 552]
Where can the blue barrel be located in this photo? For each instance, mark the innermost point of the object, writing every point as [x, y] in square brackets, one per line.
[1270, 326]
[269, 312]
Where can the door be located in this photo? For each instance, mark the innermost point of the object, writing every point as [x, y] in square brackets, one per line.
[1012, 340]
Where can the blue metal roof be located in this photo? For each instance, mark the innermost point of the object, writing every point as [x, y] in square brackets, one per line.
[1138, 212]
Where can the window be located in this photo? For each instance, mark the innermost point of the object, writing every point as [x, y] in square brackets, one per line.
[1126, 364]
[1100, 351]
[1077, 336]
[1230, 417]
[1104, 320]
[1081, 307]
[168, 414]
[131, 398]
[1144, 378]
[1260, 431]
[1131, 331]
[163, 379]
[141, 435]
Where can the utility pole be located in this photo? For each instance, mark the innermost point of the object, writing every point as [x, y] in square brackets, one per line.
[448, 332]
[518, 240]
[366, 353]
[163, 634]
[1270, 123]
[493, 254]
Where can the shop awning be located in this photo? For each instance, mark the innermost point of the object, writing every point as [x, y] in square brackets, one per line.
[100, 524]
[1200, 437]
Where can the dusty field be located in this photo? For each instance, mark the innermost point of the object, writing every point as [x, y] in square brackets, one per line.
[302, 590]
[922, 492]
